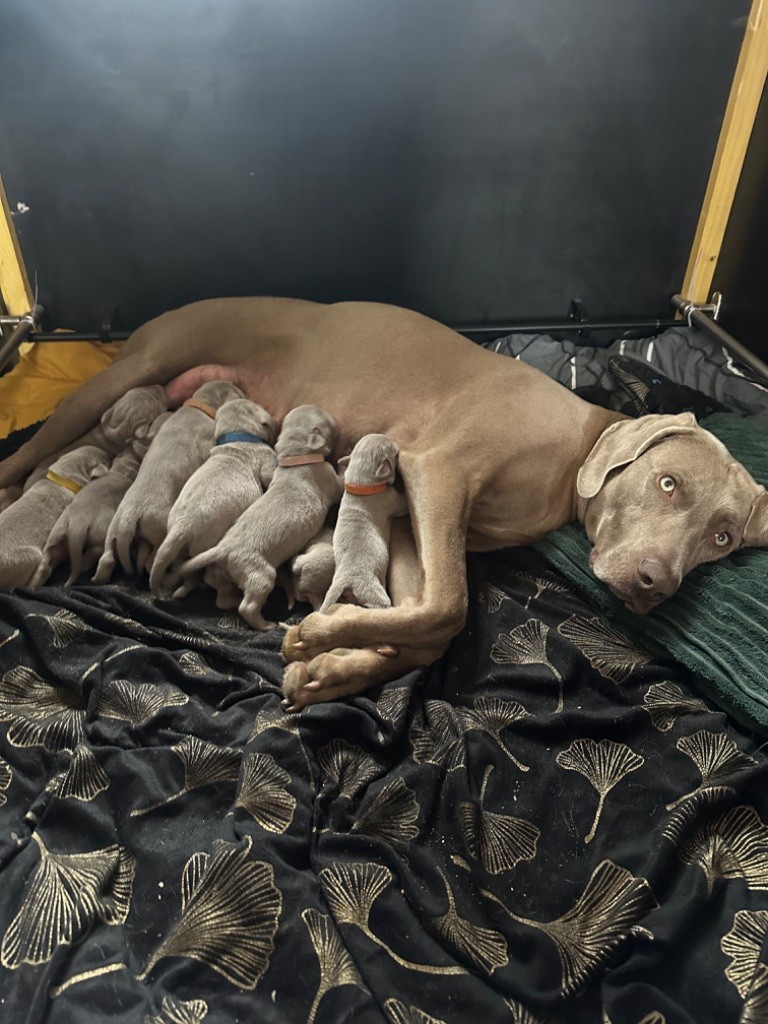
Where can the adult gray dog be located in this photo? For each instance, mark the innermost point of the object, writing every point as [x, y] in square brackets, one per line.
[492, 453]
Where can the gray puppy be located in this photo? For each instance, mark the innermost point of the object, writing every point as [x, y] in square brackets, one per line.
[277, 526]
[182, 444]
[238, 471]
[361, 537]
[81, 530]
[311, 571]
[25, 526]
[130, 418]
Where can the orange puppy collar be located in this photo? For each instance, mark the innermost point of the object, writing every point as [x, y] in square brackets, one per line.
[64, 481]
[364, 490]
[202, 406]
[300, 460]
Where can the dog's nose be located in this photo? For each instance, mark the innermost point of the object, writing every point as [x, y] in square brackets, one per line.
[656, 579]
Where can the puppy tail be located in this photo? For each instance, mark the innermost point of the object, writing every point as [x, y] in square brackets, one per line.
[336, 589]
[199, 562]
[168, 551]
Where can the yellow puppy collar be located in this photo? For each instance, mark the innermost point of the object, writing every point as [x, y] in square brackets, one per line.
[63, 481]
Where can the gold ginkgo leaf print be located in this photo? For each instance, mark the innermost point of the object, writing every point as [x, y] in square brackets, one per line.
[83, 780]
[597, 925]
[438, 735]
[728, 844]
[179, 1011]
[193, 664]
[402, 1013]
[493, 715]
[11, 636]
[204, 764]
[542, 583]
[336, 965]
[610, 652]
[393, 702]
[604, 764]
[391, 814]
[66, 627]
[527, 645]
[743, 945]
[66, 895]
[6, 778]
[275, 718]
[137, 703]
[493, 598]
[666, 702]
[715, 755]
[264, 793]
[348, 766]
[230, 908]
[351, 890]
[41, 715]
[486, 948]
[498, 841]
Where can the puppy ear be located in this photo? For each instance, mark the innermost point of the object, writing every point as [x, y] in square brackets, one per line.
[756, 527]
[385, 469]
[317, 440]
[342, 465]
[625, 441]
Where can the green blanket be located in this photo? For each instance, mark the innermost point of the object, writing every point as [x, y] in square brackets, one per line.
[717, 623]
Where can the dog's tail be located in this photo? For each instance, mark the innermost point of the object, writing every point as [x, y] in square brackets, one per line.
[153, 356]
[365, 593]
[201, 561]
[167, 553]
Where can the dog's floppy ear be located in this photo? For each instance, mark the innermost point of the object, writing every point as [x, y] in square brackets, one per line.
[756, 528]
[317, 440]
[385, 469]
[625, 441]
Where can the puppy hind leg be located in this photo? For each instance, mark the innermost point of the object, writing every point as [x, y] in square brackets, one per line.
[51, 558]
[258, 588]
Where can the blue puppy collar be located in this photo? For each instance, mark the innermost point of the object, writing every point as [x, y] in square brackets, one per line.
[240, 435]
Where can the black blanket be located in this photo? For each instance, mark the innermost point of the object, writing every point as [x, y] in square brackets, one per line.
[547, 826]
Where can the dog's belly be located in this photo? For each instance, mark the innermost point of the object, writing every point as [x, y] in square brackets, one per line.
[357, 409]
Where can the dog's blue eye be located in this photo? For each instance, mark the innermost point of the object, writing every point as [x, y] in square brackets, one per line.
[722, 539]
[667, 484]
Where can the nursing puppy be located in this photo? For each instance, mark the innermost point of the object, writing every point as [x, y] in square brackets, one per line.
[237, 472]
[130, 418]
[311, 571]
[303, 489]
[361, 537]
[25, 526]
[182, 444]
[80, 532]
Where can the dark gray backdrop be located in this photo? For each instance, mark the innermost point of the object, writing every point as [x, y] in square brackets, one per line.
[474, 159]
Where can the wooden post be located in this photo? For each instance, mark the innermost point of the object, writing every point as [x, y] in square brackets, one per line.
[746, 92]
[14, 284]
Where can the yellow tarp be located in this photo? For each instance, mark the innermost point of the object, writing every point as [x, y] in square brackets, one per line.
[45, 374]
